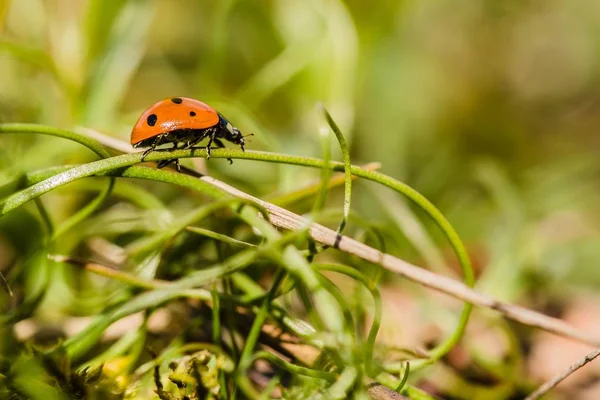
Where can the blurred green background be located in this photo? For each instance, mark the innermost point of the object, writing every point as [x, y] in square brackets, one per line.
[489, 108]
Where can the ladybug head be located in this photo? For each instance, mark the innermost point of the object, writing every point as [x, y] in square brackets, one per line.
[236, 136]
[232, 133]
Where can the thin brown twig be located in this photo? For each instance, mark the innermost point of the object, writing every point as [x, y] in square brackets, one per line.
[546, 387]
[110, 272]
[285, 219]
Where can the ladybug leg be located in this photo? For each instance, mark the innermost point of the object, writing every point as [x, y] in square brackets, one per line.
[176, 160]
[164, 163]
[222, 146]
[191, 143]
[210, 140]
[148, 151]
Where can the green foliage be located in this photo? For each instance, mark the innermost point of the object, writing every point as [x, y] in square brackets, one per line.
[487, 109]
[40, 376]
[329, 301]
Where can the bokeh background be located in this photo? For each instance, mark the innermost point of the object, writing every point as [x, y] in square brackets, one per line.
[490, 109]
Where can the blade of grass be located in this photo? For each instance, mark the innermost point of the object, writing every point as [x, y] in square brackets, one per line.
[321, 194]
[216, 335]
[92, 206]
[117, 349]
[151, 243]
[413, 229]
[297, 195]
[135, 194]
[347, 168]
[52, 131]
[46, 218]
[77, 345]
[344, 383]
[378, 309]
[218, 236]
[355, 218]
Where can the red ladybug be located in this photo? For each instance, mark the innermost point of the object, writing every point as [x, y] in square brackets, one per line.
[182, 120]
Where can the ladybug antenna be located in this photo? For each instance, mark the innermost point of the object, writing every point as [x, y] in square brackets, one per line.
[250, 134]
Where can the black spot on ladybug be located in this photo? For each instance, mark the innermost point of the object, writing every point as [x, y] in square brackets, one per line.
[151, 120]
[192, 114]
[176, 100]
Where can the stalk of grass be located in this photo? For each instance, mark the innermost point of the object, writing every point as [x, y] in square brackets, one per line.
[218, 236]
[334, 215]
[117, 349]
[89, 208]
[321, 194]
[377, 315]
[45, 215]
[310, 190]
[216, 335]
[134, 194]
[249, 390]
[347, 167]
[150, 243]
[76, 346]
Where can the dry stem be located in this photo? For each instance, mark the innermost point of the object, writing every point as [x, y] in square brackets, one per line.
[546, 387]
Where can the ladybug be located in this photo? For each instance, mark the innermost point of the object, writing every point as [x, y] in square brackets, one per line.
[182, 120]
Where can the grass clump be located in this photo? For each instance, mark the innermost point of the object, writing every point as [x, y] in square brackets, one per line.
[226, 278]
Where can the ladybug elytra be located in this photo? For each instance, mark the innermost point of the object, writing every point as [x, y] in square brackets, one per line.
[182, 120]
